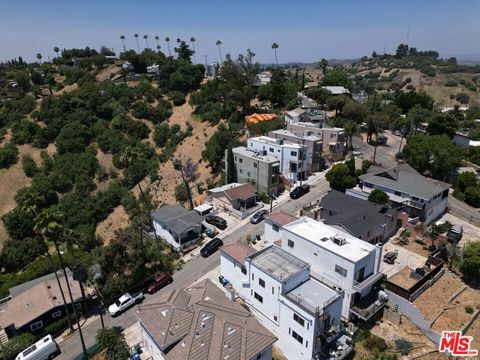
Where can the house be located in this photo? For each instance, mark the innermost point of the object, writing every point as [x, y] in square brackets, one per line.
[333, 139]
[295, 115]
[361, 218]
[239, 199]
[315, 162]
[177, 226]
[111, 59]
[200, 322]
[300, 310]
[256, 167]
[274, 223]
[336, 90]
[292, 157]
[420, 196]
[263, 78]
[313, 111]
[153, 70]
[339, 260]
[464, 141]
[38, 303]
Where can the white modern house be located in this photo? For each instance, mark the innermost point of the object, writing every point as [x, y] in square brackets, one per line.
[339, 260]
[420, 196]
[293, 157]
[301, 311]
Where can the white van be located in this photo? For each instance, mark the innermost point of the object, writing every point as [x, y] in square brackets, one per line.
[44, 349]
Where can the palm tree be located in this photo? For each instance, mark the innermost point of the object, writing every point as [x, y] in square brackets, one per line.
[158, 47]
[136, 38]
[218, 43]
[192, 41]
[48, 225]
[275, 47]
[323, 65]
[157, 38]
[167, 40]
[39, 58]
[56, 49]
[30, 202]
[145, 37]
[123, 42]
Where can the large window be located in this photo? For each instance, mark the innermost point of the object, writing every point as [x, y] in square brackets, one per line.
[293, 153]
[57, 314]
[261, 282]
[297, 337]
[36, 325]
[275, 227]
[298, 319]
[341, 270]
[258, 297]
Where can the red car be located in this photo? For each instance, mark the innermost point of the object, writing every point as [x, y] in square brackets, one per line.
[159, 281]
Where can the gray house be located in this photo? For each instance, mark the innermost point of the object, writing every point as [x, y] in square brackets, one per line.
[256, 167]
[361, 218]
[177, 225]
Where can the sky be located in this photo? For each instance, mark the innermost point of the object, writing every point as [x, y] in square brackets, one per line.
[304, 30]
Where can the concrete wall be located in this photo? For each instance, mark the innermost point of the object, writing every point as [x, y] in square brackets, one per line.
[150, 345]
[232, 270]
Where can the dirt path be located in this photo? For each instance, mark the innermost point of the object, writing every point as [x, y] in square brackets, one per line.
[107, 72]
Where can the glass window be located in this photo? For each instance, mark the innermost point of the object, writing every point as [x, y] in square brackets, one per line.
[270, 149]
[261, 282]
[341, 270]
[290, 243]
[56, 314]
[258, 297]
[244, 270]
[36, 325]
[240, 160]
[297, 337]
[255, 165]
[275, 227]
[293, 153]
[298, 319]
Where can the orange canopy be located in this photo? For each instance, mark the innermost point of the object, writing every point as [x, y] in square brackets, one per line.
[257, 118]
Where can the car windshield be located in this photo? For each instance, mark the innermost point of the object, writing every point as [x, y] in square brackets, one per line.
[118, 303]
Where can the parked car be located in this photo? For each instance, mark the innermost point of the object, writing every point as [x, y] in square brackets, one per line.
[124, 302]
[45, 348]
[210, 232]
[455, 233]
[390, 257]
[299, 191]
[159, 281]
[258, 216]
[211, 247]
[217, 221]
[382, 140]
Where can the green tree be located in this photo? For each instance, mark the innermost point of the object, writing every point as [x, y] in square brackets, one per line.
[407, 100]
[319, 94]
[161, 135]
[442, 124]
[18, 343]
[472, 196]
[29, 165]
[181, 193]
[466, 180]
[136, 39]
[113, 341]
[470, 264]
[231, 171]
[189, 173]
[337, 77]
[219, 44]
[351, 129]
[8, 155]
[378, 196]
[122, 37]
[183, 51]
[462, 98]
[74, 137]
[323, 65]
[340, 178]
[355, 111]
[275, 47]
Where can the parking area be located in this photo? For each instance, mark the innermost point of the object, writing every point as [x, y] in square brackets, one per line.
[470, 232]
[404, 258]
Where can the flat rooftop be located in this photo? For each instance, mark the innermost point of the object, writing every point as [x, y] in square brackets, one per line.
[323, 235]
[273, 141]
[253, 154]
[311, 293]
[295, 135]
[278, 263]
[312, 125]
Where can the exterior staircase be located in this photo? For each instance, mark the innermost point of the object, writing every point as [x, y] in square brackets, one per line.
[3, 337]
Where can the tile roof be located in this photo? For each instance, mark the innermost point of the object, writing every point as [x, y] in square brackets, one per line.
[281, 218]
[38, 300]
[209, 327]
[238, 251]
[244, 192]
[177, 218]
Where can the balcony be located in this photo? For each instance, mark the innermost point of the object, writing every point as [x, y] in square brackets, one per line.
[367, 282]
[367, 306]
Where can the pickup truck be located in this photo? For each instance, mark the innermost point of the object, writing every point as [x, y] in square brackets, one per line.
[124, 302]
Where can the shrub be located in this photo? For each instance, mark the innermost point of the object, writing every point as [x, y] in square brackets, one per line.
[177, 98]
[462, 98]
[472, 196]
[467, 179]
[58, 326]
[18, 343]
[264, 198]
[469, 310]
[29, 166]
[470, 264]
[410, 87]
[408, 80]
[181, 193]
[8, 155]
[403, 346]
[378, 196]
[451, 83]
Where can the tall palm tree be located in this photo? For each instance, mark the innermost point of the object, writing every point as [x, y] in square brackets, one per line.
[167, 40]
[48, 225]
[219, 43]
[192, 41]
[158, 47]
[123, 42]
[157, 38]
[56, 49]
[275, 47]
[39, 58]
[136, 38]
[145, 37]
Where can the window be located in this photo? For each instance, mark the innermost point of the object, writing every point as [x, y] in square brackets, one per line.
[56, 314]
[398, 193]
[291, 243]
[248, 174]
[258, 297]
[244, 270]
[298, 319]
[293, 153]
[36, 325]
[261, 282]
[255, 165]
[332, 136]
[275, 227]
[273, 290]
[275, 318]
[341, 270]
[253, 276]
[241, 171]
[270, 149]
[240, 160]
[297, 337]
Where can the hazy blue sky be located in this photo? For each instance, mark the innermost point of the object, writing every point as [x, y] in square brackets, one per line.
[304, 30]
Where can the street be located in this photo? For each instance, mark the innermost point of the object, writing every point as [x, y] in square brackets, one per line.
[385, 153]
[190, 272]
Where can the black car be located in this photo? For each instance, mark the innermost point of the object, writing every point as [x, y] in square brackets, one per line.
[216, 221]
[258, 216]
[299, 191]
[211, 247]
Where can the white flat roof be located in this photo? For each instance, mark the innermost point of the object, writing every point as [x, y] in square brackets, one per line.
[353, 249]
[273, 141]
[203, 207]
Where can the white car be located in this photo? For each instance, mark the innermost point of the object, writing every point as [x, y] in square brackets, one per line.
[44, 349]
[124, 302]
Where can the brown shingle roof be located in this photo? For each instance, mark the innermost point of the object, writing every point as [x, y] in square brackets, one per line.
[244, 192]
[281, 218]
[238, 251]
[38, 300]
[213, 327]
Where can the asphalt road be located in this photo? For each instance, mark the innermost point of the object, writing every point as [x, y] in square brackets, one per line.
[385, 153]
[190, 272]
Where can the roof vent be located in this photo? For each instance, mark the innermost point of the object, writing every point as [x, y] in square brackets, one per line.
[339, 241]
